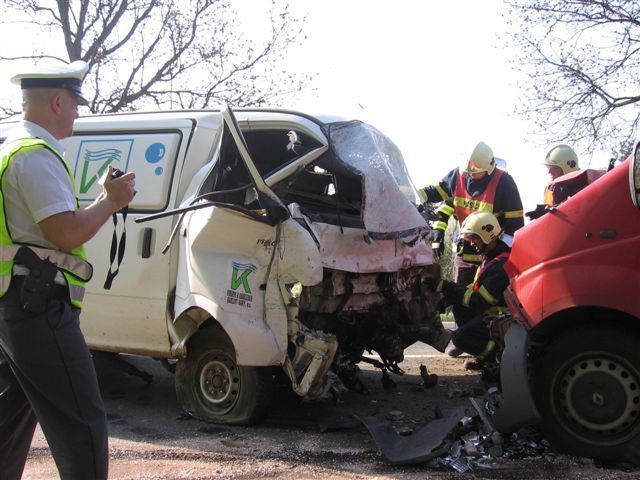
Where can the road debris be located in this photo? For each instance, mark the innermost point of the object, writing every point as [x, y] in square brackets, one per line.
[455, 440]
[421, 445]
[428, 379]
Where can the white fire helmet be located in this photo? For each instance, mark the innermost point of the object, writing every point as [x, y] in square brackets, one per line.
[483, 224]
[562, 156]
[481, 159]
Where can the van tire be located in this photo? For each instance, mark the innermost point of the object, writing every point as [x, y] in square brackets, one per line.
[588, 392]
[211, 386]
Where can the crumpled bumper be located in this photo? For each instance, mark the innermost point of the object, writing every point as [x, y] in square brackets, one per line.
[518, 408]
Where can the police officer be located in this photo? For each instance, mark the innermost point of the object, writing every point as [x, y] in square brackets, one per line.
[484, 296]
[479, 187]
[46, 371]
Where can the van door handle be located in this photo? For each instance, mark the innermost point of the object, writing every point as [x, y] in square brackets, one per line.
[147, 237]
[609, 233]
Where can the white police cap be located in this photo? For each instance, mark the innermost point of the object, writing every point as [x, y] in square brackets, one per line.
[65, 75]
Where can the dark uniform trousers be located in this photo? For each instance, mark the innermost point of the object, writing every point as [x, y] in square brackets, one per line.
[47, 376]
[472, 334]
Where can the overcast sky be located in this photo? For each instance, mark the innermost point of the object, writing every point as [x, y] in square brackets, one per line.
[429, 74]
[432, 75]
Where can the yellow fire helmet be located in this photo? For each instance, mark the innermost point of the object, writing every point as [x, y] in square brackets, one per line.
[481, 159]
[483, 224]
[562, 156]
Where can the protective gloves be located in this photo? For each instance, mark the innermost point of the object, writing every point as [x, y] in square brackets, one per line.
[539, 211]
[436, 236]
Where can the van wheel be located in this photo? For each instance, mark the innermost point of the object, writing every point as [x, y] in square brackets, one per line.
[211, 386]
[588, 384]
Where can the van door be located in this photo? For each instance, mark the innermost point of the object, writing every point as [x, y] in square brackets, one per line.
[130, 316]
[230, 254]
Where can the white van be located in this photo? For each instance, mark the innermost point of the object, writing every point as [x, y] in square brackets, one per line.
[256, 239]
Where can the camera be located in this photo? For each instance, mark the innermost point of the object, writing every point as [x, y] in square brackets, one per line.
[115, 173]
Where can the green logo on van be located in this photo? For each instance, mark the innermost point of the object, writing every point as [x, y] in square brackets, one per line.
[240, 276]
[104, 157]
[239, 292]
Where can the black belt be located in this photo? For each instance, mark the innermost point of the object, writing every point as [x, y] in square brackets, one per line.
[57, 292]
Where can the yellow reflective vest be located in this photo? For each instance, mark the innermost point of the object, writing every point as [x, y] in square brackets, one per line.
[74, 266]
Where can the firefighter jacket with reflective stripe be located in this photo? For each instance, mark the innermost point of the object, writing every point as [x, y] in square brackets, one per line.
[496, 193]
[465, 204]
[506, 203]
[76, 270]
[486, 293]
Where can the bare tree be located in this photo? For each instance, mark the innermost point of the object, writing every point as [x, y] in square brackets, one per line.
[581, 60]
[162, 53]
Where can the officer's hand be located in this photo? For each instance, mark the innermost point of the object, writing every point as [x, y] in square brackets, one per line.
[119, 190]
[431, 283]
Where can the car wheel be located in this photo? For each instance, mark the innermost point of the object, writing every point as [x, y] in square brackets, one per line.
[588, 392]
[211, 386]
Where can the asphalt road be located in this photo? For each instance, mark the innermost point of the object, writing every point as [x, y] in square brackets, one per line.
[150, 437]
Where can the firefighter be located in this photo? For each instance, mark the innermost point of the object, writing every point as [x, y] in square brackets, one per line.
[481, 186]
[560, 160]
[46, 371]
[473, 304]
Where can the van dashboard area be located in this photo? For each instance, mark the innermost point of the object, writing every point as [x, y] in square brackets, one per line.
[325, 190]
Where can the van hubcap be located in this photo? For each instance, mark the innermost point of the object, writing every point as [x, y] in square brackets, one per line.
[219, 381]
[600, 397]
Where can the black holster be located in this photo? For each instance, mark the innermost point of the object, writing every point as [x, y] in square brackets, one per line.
[37, 287]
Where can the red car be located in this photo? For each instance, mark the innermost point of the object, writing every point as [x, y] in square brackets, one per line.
[572, 356]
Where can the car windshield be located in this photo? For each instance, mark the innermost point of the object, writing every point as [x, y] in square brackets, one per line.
[389, 197]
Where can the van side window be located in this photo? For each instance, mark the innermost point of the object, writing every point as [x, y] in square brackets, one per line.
[269, 149]
[230, 173]
[273, 149]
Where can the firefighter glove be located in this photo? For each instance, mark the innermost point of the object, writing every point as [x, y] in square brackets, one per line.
[539, 211]
[437, 242]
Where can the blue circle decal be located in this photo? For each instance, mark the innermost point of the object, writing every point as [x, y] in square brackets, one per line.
[155, 152]
[159, 170]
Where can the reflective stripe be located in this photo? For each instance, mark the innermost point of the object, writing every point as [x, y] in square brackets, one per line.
[76, 293]
[487, 349]
[466, 298]
[441, 191]
[472, 204]
[423, 195]
[446, 209]
[76, 270]
[439, 225]
[481, 289]
[513, 214]
[470, 257]
[486, 295]
[72, 264]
